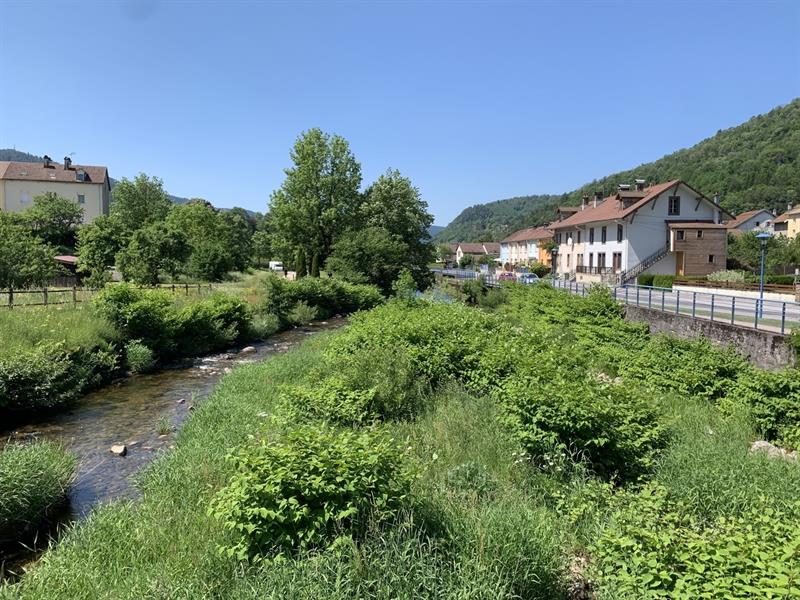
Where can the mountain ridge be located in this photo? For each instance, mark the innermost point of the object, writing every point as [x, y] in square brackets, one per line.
[752, 165]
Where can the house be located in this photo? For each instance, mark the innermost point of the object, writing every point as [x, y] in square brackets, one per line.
[787, 224]
[477, 250]
[669, 228]
[88, 186]
[752, 220]
[525, 245]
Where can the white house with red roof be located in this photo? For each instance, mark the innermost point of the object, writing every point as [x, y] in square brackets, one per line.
[668, 228]
[524, 246]
[752, 220]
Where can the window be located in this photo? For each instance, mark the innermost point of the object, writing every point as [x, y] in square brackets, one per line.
[591, 235]
[601, 260]
[711, 258]
[558, 238]
[674, 205]
[619, 233]
[603, 235]
[579, 236]
[81, 199]
[679, 234]
[591, 260]
[699, 234]
[579, 260]
[616, 261]
[568, 257]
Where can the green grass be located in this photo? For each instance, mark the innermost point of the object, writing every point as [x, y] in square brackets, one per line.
[33, 478]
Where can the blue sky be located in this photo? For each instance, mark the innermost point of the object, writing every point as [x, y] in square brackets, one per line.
[474, 101]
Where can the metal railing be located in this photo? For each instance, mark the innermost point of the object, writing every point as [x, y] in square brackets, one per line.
[594, 270]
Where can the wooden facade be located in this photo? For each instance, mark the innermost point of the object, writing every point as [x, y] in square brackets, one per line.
[700, 248]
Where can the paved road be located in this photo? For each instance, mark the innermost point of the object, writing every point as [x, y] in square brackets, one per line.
[780, 317]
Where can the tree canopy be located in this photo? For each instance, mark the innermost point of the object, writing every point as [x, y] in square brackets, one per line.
[139, 202]
[25, 260]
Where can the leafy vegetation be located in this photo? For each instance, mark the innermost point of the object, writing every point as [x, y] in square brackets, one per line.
[754, 165]
[33, 479]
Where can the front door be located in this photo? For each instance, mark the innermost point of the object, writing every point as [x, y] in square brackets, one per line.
[679, 263]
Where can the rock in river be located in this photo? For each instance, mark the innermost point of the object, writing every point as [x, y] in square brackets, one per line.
[119, 449]
[247, 350]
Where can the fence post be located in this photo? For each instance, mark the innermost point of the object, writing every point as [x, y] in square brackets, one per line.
[650, 298]
[712, 306]
[637, 294]
[626, 294]
[678, 302]
[755, 319]
[44, 293]
[733, 308]
[663, 294]
[198, 289]
[187, 288]
[74, 296]
[783, 317]
[694, 304]
[173, 287]
[10, 297]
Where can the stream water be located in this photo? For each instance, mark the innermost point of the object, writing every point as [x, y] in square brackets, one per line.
[143, 412]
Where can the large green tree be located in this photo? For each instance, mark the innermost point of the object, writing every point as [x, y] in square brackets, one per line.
[153, 249]
[319, 198]
[25, 260]
[394, 204]
[139, 202]
[54, 219]
[369, 255]
[98, 244]
[210, 239]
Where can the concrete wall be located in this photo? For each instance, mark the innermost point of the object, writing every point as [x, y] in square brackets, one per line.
[762, 348]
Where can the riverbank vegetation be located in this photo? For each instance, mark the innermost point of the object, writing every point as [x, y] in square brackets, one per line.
[33, 479]
[530, 451]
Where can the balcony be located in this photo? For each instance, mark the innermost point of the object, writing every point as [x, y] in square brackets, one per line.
[594, 270]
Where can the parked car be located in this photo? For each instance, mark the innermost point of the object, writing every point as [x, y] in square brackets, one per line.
[528, 278]
[506, 277]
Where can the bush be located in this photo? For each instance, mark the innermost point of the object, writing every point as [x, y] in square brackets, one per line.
[211, 323]
[310, 488]
[473, 290]
[615, 428]
[653, 547]
[140, 315]
[139, 357]
[663, 281]
[540, 269]
[33, 478]
[263, 326]
[780, 279]
[645, 279]
[302, 314]
[728, 276]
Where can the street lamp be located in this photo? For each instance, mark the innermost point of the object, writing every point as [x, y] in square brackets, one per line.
[763, 236]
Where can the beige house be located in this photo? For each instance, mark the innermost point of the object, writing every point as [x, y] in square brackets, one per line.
[88, 186]
[788, 224]
[477, 250]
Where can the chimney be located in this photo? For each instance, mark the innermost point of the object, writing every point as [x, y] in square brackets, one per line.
[47, 160]
[67, 163]
[584, 201]
[716, 198]
[639, 185]
[624, 187]
[598, 198]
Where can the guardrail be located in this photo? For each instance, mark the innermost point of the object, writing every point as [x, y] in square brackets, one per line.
[768, 315]
[11, 298]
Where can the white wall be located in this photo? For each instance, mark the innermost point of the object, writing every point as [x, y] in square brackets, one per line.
[18, 195]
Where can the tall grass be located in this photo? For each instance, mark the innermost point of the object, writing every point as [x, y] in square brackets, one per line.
[33, 478]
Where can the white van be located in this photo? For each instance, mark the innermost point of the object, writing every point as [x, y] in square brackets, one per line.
[275, 265]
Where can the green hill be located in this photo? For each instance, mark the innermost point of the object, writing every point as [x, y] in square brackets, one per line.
[754, 165]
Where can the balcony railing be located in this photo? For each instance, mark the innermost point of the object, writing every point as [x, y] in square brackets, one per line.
[594, 270]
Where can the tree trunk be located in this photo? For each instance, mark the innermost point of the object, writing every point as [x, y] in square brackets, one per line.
[315, 265]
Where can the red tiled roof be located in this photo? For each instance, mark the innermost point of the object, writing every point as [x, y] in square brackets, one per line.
[611, 209]
[789, 214]
[480, 247]
[744, 217]
[531, 233]
[36, 171]
[492, 247]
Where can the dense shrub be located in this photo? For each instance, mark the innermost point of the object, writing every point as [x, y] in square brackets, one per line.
[140, 314]
[48, 374]
[264, 325]
[211, 323]
[33, 478]
[615, 428]
[653, 547]
[781, 279]
[302, 314]
[329, 296]
[139, 357]
[728, 276]
[663, 281]
[645, 279]
[309, 488]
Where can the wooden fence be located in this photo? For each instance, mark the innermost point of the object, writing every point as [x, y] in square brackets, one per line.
[74, 295]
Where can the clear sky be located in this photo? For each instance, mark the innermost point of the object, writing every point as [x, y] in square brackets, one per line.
[474, 101]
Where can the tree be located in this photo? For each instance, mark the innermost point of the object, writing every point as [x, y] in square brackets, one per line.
[139, 202]
[444, 253]
[210, 239]
[154, 248]
[394, 204]
[98, 244]
[371, 255]
[745, 248]
[25, 261]
[241, 228]
[318, 200]
[54, 219]
[260, 248]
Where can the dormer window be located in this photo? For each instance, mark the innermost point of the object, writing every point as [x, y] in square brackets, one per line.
[80, 175]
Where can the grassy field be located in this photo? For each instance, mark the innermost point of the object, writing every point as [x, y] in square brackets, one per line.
[555, 447]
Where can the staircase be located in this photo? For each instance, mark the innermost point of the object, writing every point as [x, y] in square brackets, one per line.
[642, 266]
